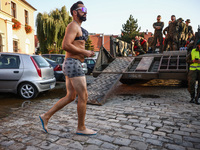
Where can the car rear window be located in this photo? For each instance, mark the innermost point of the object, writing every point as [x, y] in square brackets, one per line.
[41, 62]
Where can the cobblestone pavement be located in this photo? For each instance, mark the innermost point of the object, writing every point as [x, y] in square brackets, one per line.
[139, 117]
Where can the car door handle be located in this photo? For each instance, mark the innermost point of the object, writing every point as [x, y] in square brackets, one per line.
[16, 71]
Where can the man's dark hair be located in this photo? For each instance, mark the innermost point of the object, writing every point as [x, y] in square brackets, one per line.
[75, 6]
[159, 16]
[173, 16]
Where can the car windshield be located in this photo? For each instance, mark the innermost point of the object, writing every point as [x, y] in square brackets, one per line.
[90, 61]
[41, 62]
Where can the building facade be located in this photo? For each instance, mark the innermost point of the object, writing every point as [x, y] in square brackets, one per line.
[100, 39]
[17, 26]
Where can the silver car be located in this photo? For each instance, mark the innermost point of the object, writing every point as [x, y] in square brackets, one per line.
[60, 59]
[26, 75]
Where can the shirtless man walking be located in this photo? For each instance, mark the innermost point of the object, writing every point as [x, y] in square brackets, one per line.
[74, 45]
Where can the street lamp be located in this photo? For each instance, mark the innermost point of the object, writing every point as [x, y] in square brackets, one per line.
[54, 44]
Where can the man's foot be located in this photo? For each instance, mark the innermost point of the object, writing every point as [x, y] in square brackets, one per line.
[86, 132]
[44, 123]
[197, 103]
[192, 101]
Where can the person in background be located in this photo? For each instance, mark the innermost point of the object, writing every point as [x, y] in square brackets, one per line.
[172, 34]
[193, 59]
[190, 42]
[144, 44]
[167, 42]
[182, 33]
[150, 44]
[158, 36]
[188, 29]
[137, 46]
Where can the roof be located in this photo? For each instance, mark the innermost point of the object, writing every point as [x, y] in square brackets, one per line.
[25, 2]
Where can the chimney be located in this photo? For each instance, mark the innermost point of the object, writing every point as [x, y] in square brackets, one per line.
[102, 39]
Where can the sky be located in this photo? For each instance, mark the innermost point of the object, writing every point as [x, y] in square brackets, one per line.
[108, 16]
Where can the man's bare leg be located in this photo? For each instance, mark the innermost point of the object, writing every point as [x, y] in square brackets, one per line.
[70, 96]
[79, 84]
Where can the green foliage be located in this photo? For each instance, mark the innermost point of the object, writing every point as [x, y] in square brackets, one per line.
[51, 29]
[130, 30]
[88, 44]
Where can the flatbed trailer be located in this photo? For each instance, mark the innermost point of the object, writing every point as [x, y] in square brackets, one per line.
[109, 70]
[166, 65]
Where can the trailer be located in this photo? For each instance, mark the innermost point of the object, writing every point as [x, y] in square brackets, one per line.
[109, 70]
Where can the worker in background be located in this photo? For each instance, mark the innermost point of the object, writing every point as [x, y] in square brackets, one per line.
[193, 59]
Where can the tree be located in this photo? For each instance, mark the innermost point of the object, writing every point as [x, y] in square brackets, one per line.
[88, 44]
[51, 29]
[130, 29]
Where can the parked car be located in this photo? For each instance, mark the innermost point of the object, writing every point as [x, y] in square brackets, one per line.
[60, 59]
[90, 64]
[24, 74]
[57, 68]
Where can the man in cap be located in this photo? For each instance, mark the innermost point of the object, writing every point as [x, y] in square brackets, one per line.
[158, 26]
[188, 28]
[182, 33]
[172, 34]
[193, 59]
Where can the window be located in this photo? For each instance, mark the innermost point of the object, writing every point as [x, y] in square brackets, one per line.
[15, 46]
[9, 62]
[41, 62]
[13, 9]
[91, 62]
[1, 44]
[26, 16]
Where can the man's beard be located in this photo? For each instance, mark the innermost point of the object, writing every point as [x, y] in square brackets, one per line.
[82, 18]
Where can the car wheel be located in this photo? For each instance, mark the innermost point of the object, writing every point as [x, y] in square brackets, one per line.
[27, 90]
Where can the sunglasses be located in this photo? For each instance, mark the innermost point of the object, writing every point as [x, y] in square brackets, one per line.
[83, 9]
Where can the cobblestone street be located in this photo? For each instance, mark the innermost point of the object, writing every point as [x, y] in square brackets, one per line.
[135, 117]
